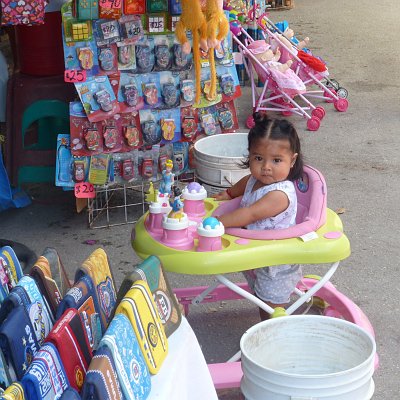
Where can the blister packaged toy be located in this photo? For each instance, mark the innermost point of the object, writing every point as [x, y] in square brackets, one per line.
[148, 161]
[98, 169]
[108, 59]
[162, 52]
[170, 90]
[98, 98]
[151, 129]
[126, 57]
[151, 90]
[85, 135]
[130, 127]
[110, 9]
[112, 135]
[131, 28]
[64, 162]
[170, 124]
[228, 83]
[74, 29]
[227, 117]
[180, 157]
[189, 123]
[106, 32]
[81, 56]
[209, 121]
[145, 55]
[134, 6]
[130, 94]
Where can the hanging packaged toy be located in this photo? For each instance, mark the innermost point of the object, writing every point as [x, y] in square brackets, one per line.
[108, 58]
[126, 56]
[227, 117]
[130, 95]
[151, 129]
[134, 7]
[189, 123]
[110, 135]
[73, 29]
[64, 162]
[144, 56]
[187, 92]
[110, 9]
[97, 97]
[131, 28]
[106, 32]
[162, 57]
[87, 9]
[180, 59]
[98, 169]
[92, 138]
[180, 157]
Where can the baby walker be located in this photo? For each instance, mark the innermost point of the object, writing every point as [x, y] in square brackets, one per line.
[183, 244]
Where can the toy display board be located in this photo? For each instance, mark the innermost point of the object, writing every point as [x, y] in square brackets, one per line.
[136, 89]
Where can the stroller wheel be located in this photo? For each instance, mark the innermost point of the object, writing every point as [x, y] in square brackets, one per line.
[319, 112]
[341, 105]
[313, 124]
[250, 121]
[333, 83]
[342, 93]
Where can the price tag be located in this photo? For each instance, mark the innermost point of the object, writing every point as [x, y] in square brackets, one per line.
[84, 190]
[109, 4]
[72, 76]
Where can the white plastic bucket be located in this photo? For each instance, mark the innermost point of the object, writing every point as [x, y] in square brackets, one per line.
[307, 357]
[218, 159]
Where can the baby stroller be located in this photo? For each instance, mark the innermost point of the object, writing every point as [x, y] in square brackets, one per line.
[278, 91]
[304, 65]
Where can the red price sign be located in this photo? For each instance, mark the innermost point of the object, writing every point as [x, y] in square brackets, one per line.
[84, 190]
[108, 4]
[72, 75]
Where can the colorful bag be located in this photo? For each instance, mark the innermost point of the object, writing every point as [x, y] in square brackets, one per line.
[18, 341]
[14, 392]
[138, 305]
[70, 338]
[132, 371]
[151, 271]
[97, 267]
[101, 380]
[45, 378]
[51, 278]
[10, 271]
[38, 308]
[71, 394]
[22, 12]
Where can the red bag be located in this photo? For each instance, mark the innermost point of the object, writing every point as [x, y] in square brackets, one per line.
[313, 62]
[70, 338]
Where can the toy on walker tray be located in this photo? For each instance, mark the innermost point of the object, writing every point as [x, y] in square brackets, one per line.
[243, 249]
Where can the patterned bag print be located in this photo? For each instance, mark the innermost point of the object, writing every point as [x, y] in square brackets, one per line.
[22, 12]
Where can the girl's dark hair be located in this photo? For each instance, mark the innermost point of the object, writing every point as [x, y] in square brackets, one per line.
[276, 129]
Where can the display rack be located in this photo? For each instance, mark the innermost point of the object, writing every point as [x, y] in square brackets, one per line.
[116, 205]
[279, 4]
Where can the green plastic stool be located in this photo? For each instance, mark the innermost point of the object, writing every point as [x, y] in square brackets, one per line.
[51, 118]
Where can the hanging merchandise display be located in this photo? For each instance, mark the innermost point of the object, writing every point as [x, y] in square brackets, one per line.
[147, 87]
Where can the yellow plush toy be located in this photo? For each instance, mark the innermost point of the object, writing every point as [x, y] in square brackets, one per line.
[192, 18]
[217, 29]
[207, 21]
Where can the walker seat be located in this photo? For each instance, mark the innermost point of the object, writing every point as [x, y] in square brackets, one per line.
[247, 249]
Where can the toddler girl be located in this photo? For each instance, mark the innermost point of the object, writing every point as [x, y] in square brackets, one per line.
[269, 200]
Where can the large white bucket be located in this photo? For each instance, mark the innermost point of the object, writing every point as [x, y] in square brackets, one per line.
[218, 159]
[307, 357]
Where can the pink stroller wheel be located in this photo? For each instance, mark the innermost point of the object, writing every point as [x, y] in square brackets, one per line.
[341, 104]
[329, 98]
[313, 124]
[250, 122]
[319, 112]
[287, 113]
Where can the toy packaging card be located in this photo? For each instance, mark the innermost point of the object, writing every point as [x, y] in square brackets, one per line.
[227, 117]
[106, 32]
[81, 56]
[74, 29]
[131, 28]
[130, 92]
[228, 83]
[180, 157]
[86, 139]
[145, 55]
[112, 135]
[209, 122]
[162, 52]
[129, 125]
[151, 129]
[134, 6]
[64, 162]
[126, 56]
[98, 169]
[170, 123]
[170, 89]
[98, 98]
[189, 123]
[110, 9]
[151, 90]
[108, 59]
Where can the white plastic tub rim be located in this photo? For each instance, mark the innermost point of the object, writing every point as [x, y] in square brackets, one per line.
[307, 357]
[219, 158]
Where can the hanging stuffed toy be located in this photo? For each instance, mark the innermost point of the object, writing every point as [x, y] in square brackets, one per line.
[193, 19]
[217, 29]
[207, 21]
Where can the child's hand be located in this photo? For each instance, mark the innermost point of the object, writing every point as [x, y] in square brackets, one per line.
[222, 196]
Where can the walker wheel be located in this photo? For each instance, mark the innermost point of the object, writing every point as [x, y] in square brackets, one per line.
[341, 105]
[342, 93]
[319, 112]
[329, 98]
[250, 122]
[313, 124]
